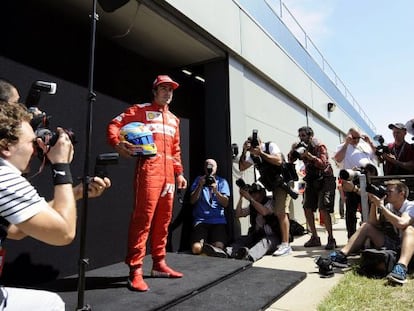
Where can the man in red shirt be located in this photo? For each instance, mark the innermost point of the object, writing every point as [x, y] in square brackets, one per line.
[399, 158]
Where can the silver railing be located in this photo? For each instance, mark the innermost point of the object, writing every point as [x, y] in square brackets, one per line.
[283, 13]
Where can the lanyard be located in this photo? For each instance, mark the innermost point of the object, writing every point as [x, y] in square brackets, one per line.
[400, 152]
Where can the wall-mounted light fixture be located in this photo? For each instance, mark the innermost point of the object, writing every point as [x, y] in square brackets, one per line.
[331, 107]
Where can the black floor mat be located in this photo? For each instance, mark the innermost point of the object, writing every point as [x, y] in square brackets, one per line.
[208, 283]
[253, 289]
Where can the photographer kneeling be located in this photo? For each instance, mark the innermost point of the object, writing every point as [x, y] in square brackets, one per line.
[263, 235]
[269, 161]
[23, 211]
[210, 195]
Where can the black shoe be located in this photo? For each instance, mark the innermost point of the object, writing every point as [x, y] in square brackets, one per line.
[242, 253]
[331, 244]
[213, 251]
[338, 259]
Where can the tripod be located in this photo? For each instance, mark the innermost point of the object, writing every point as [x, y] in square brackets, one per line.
[83, 262]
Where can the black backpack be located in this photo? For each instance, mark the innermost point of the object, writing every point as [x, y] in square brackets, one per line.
[272, 176]
[377, 263]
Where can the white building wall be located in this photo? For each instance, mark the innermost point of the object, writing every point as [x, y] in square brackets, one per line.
[268, 90]
[249, 43]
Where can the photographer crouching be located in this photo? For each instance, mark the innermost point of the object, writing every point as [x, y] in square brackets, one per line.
[320, 183]
[268, 160]
[210, 196]
[23, 211]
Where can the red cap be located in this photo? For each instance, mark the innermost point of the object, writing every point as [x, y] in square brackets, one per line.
[164, 79]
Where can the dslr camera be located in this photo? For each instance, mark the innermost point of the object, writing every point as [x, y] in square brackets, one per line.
[209, 178]
[379, 191]
[242, 184]
[349, 174]
[299, 150]
[381, 148]
[353, 175]
[40, 121]
[255, 141]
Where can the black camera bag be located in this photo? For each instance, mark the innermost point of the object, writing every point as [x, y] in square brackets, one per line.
[377, 263]
[272, 176]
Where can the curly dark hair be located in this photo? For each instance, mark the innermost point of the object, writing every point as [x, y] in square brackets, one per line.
[11, 118]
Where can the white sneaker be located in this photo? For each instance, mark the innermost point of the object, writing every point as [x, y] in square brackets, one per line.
[283, 250]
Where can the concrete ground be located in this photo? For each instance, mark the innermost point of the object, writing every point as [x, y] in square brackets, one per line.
[313, 289]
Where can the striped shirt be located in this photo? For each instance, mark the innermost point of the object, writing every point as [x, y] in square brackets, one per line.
[19, 200]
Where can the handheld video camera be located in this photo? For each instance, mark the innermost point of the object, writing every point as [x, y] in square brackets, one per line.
[102, 161]
[40, 121]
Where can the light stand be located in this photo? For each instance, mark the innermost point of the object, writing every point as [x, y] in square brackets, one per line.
[83, 262]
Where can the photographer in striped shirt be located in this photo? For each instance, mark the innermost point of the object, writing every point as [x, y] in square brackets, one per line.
[23, 212]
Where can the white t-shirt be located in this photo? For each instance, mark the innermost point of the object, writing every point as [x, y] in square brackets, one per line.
[357, 156]
[407, 207]
[273, 149]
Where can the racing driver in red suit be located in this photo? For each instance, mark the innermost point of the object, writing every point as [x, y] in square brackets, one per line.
[154, 181]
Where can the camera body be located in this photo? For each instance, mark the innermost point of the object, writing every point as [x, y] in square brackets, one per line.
[299, 150]
[209, 177]
[381, 148]
[242, 184]
[40, 121]
[379, 191]
[255, 141]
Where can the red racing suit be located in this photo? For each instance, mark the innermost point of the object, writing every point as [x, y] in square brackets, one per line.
[154, 181]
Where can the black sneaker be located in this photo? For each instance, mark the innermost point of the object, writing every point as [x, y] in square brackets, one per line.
[338, 259]
[398, 274]
[331, 244]
[242, 253]
[314, 241]
[213, 251]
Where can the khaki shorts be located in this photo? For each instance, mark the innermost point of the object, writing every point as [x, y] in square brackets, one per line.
[282, 200]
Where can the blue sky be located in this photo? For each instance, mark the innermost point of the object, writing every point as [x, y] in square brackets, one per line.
[370, 46]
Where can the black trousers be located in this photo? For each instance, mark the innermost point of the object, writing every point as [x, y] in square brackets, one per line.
[352, 202]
